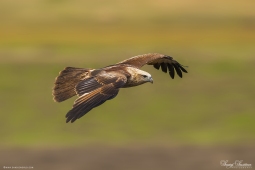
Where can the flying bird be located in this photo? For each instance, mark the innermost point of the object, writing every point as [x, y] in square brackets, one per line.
[95, 86]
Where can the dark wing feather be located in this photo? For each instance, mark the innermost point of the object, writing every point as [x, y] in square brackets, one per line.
[93, 83]
[157, 60]
[181, 67]
[92, 99]
[177, 69]
[163, 67]
[156, 66]
[87, 102]
[87, 85]
[171, 70]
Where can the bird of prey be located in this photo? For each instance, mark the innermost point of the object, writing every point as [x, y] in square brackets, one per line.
[94, 86]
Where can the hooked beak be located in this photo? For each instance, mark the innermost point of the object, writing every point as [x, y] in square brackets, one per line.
[151, 80]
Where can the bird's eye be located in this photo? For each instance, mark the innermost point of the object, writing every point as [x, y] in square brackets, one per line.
[144, 76]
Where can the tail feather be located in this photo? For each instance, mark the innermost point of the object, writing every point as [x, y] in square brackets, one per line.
[65, 83]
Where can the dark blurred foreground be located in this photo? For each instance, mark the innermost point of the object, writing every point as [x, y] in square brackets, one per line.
[123, 158]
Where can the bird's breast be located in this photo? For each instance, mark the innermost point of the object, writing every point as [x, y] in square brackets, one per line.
[132, 81]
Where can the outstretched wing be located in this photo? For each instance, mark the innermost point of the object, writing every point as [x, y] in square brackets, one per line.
[166, 63]
[103, 88]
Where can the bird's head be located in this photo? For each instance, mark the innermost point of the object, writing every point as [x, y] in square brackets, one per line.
[145, 77]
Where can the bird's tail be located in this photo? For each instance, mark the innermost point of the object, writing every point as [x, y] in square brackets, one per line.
[64, 86]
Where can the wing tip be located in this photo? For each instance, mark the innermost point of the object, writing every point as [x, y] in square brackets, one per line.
[71, 119]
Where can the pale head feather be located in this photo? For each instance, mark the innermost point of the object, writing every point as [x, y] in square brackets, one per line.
[135, 71]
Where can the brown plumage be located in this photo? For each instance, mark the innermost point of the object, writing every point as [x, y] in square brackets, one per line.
[94, 86]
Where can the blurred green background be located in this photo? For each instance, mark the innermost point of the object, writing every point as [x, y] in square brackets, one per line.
[213, 105]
